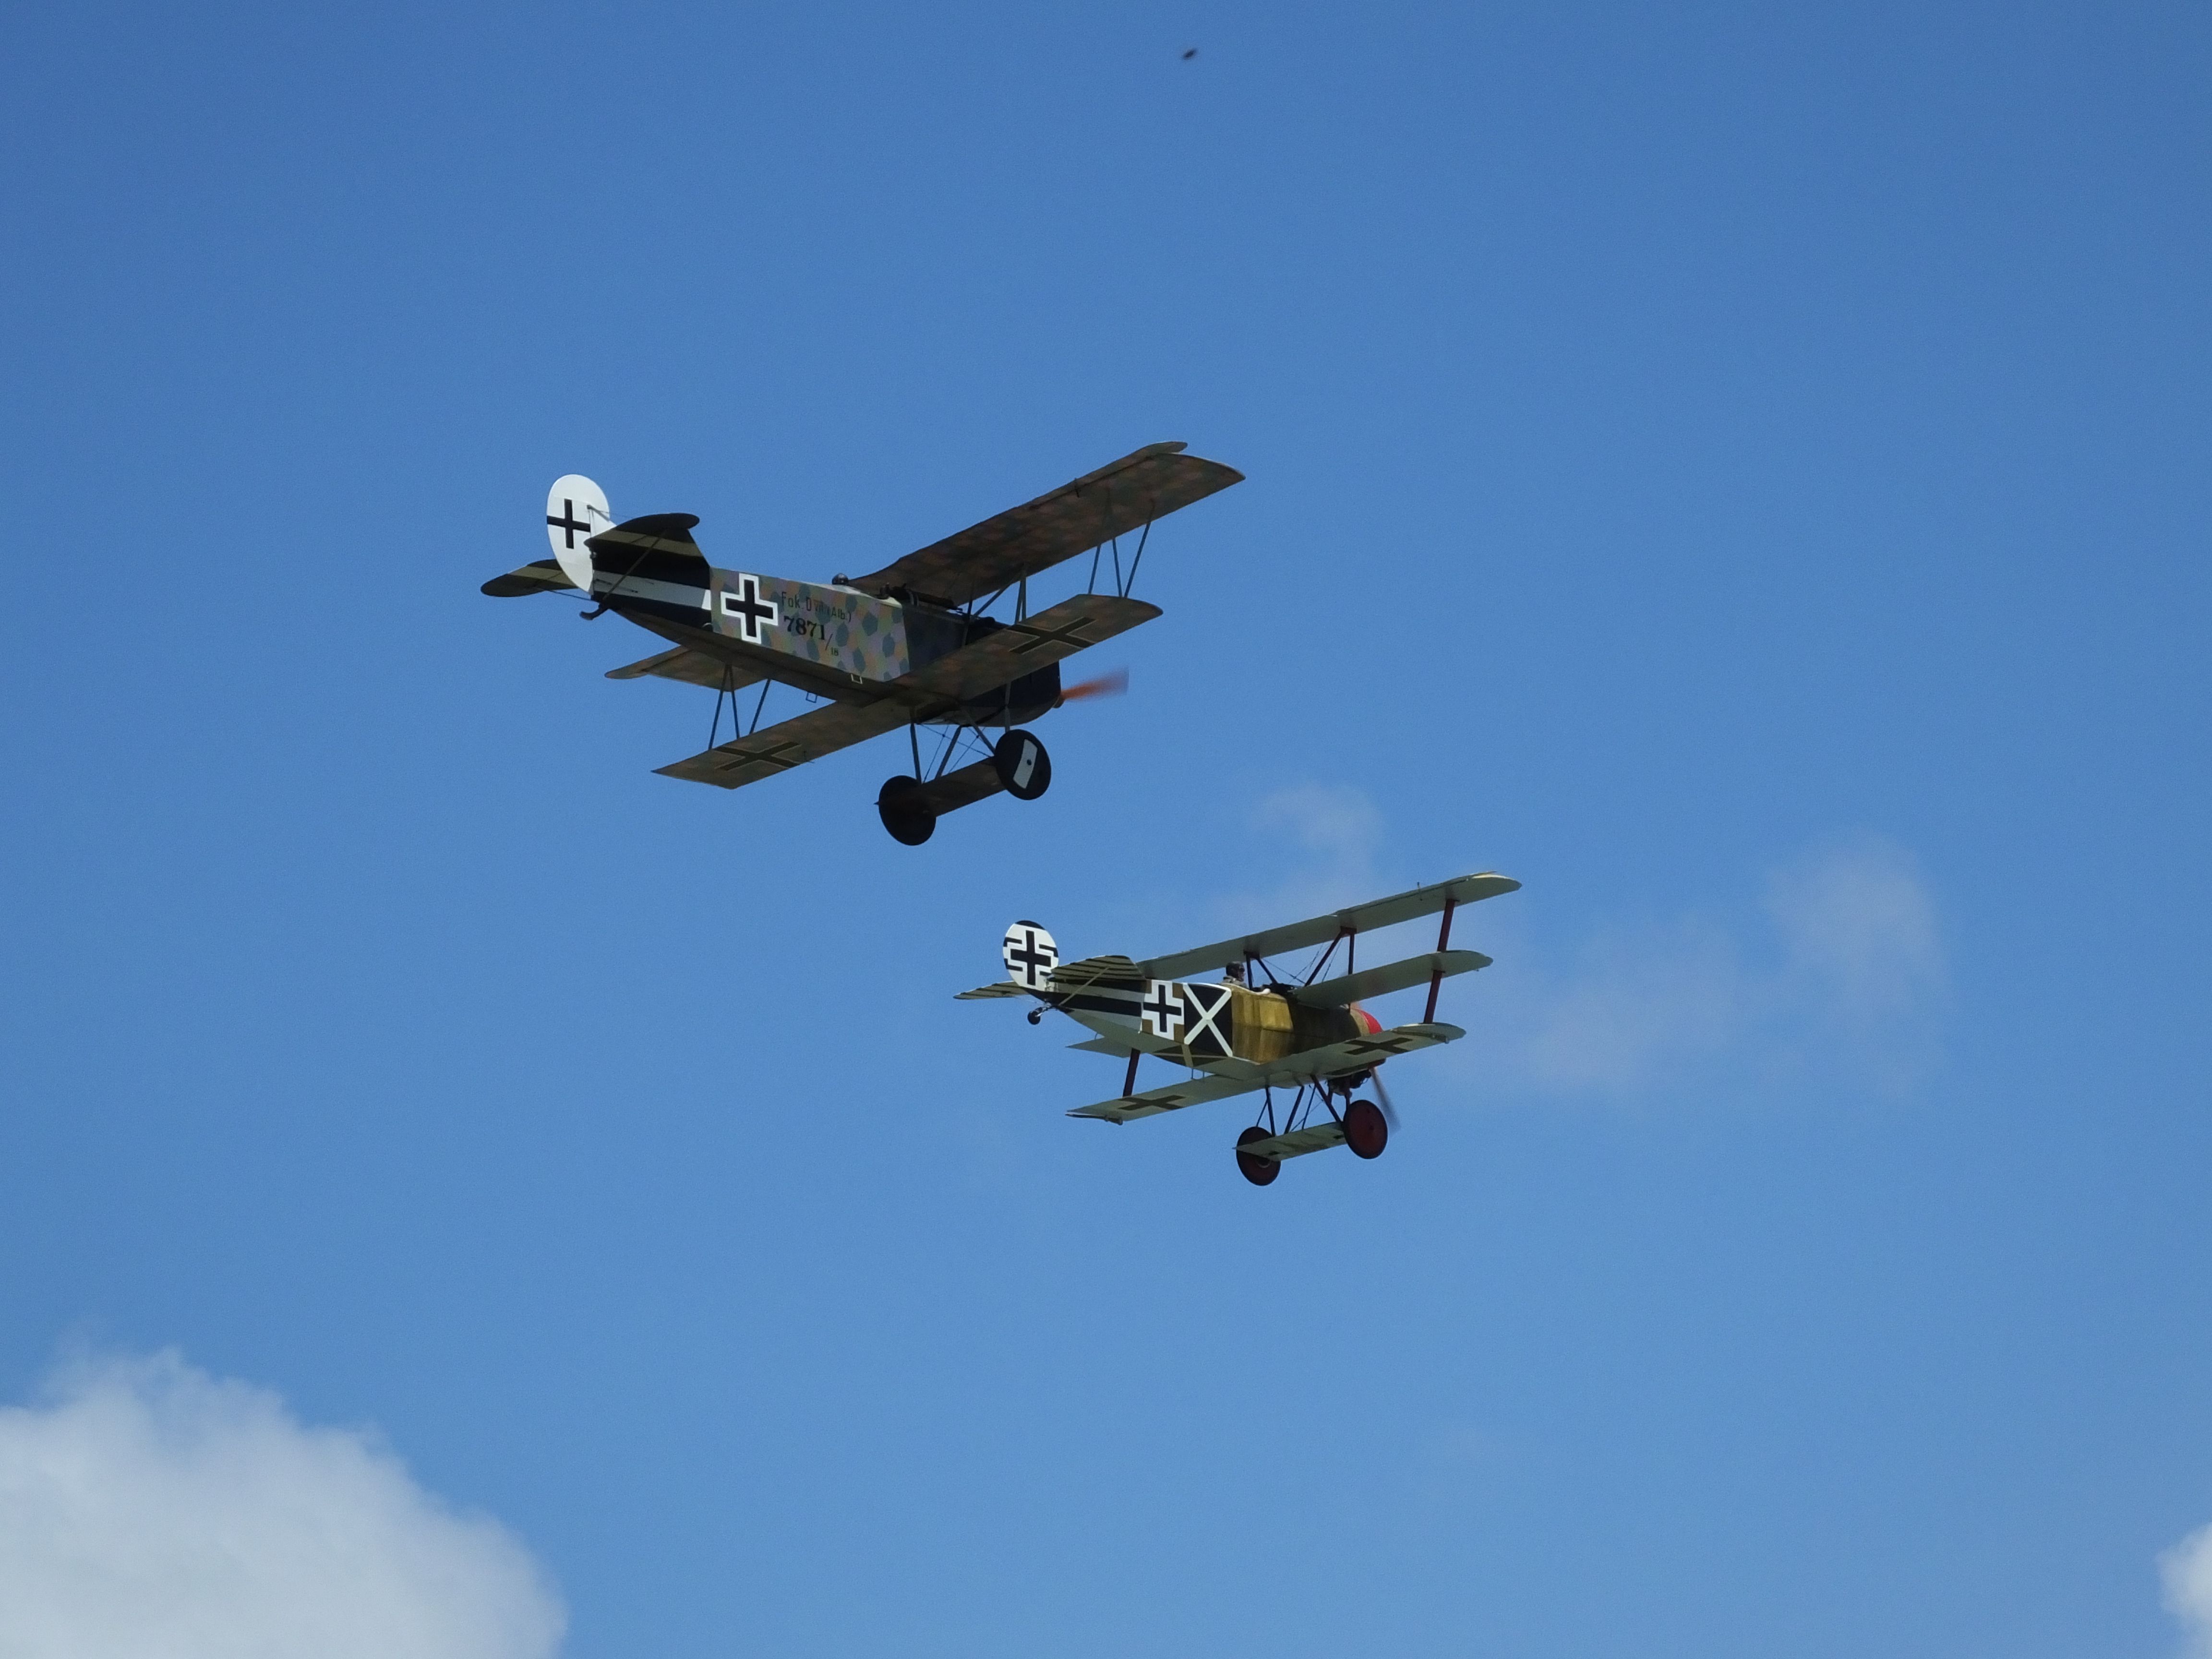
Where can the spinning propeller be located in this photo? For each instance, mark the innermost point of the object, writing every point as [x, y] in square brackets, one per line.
[1106, 685]
[1382, 1099]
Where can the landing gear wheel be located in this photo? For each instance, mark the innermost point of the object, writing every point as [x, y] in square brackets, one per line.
[908, 820]
[1022, 765]
[1257, 1170]
[1364, 1130]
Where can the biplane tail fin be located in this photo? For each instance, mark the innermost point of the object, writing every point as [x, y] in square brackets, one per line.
[575, 511]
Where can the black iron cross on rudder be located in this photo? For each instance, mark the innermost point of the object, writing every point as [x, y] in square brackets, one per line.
[567, 523]
[1027, 959]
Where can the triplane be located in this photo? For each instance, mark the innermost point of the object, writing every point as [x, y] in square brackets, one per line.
[911, 644]
[1253, 1031]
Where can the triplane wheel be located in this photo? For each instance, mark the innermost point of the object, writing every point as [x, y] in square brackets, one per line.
[1022, 766]
[1257, 1170]
[908, 820]
[1364, 1130]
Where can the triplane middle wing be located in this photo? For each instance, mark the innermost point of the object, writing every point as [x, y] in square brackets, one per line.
[1254, 1031]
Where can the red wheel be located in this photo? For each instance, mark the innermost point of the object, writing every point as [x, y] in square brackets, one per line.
[1257, 1170]
[1364, 1131]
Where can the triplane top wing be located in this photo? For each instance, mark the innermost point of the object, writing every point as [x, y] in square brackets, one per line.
[1310, 1039]
[1408, 906]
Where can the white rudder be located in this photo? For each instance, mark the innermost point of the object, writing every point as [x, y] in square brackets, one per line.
[575, 511]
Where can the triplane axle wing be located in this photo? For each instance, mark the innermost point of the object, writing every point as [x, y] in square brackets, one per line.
[910, 645]
[1254, 1031]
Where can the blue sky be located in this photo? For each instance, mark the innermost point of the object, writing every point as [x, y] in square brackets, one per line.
[1737, 468]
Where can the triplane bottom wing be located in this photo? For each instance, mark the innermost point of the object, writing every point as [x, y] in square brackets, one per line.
[1314, 1065]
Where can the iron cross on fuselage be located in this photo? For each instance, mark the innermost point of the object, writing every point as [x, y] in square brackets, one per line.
[567, 523]
[1164, 1008]
[752, 612]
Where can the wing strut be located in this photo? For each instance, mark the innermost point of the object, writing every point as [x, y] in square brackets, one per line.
[1437, 974]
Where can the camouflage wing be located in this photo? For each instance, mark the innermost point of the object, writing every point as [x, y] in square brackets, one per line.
[788, 744]
[1315, 1065]
[1390, 977]
[1018, 648]
[1172, 1098]
[692, 667]
[1319, 930]
[1114, 500]
[1359, 1054]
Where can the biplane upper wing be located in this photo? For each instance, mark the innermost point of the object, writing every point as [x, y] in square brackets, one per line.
[1115, 499]
[788, 744]
[1335, 1059]
[693, 668]
[1319, 930]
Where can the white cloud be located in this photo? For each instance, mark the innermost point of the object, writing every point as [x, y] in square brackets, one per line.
[1838, 977]
[150, 1511]
[1333, 834]
[2186, 1572]
[1843, 979]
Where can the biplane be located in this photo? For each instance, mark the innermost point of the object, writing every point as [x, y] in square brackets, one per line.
[910, 645]
[1253, 1031]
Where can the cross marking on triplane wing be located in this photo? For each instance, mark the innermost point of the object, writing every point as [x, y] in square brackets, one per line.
[751, 611]
[1027, 960]
[1163, 1009]
[1378, 1045]
[567, 523]
[1066, 634]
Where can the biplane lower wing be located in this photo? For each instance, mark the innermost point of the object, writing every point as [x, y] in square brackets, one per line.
[1020, 647]
[692, 667]
[1314, 1065]
[931, 692]
[788, 744]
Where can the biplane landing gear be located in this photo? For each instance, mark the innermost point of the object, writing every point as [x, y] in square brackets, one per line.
[1022, 765]
[908, 820]
[1365, 1130]
[1257, 1170]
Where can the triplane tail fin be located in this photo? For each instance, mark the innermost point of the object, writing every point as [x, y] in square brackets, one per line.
[1030, 955]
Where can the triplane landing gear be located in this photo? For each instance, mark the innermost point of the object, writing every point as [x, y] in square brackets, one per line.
[910, 808]
[1360, 1125]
